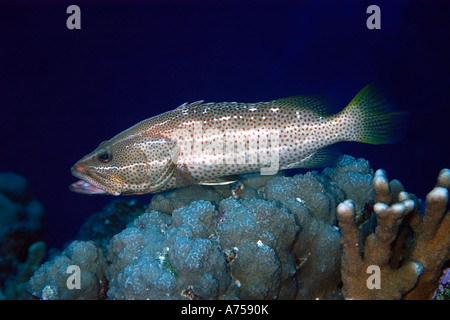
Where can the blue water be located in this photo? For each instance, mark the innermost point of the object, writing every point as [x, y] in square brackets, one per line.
[64, 91]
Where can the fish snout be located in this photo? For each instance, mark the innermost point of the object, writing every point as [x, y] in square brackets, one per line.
[79, 168]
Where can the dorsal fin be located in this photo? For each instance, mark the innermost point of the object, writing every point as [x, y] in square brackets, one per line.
[190, 105]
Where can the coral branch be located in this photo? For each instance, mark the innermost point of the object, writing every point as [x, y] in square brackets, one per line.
[381, 187]
[418, 274]
[432, 239]
[356, 268]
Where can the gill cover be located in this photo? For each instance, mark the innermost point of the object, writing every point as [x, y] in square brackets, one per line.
[143, 164]
[128, 165]
[162, 157]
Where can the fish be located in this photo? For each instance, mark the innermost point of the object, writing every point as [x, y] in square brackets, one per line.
[211, 143]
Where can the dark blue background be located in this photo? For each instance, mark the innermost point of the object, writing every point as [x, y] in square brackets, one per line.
[64, 91]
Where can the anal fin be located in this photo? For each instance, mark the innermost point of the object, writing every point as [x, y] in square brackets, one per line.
[222, 181]
[324, 157]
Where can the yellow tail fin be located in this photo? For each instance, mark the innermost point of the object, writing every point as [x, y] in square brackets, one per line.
[373, 120]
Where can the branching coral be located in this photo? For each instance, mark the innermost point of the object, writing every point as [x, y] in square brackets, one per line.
[355, 269]
[432, 238]
[417, 276]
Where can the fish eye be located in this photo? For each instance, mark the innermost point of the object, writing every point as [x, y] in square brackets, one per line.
[105, 157]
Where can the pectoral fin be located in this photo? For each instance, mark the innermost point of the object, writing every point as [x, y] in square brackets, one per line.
[184, 178]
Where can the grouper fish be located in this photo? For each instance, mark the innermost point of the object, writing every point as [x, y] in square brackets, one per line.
[213, 143]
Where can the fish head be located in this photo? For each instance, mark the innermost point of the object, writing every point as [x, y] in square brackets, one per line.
[125, 166]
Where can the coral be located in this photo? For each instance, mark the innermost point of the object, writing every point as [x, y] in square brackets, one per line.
[167, 202]
[317, 245]
[272, 237]
[51, 280]
[317, 252]
[15, 187]
[21, 226]
[422, 259]
[103, 225]
[17, 285]
[269, 242]
[266, 233]
[355, 269]
[313, 199]
[161, 257]
[431, 238]
[353, 177]
[183, 255]
[443, 291]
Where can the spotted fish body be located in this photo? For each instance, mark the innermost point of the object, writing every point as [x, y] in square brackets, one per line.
[208, 142]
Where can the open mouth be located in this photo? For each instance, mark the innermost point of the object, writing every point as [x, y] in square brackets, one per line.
[86, 185]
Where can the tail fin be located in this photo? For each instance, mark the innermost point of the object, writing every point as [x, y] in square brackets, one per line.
[374, 121]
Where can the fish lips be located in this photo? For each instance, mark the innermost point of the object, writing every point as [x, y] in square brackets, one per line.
[88, 184]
